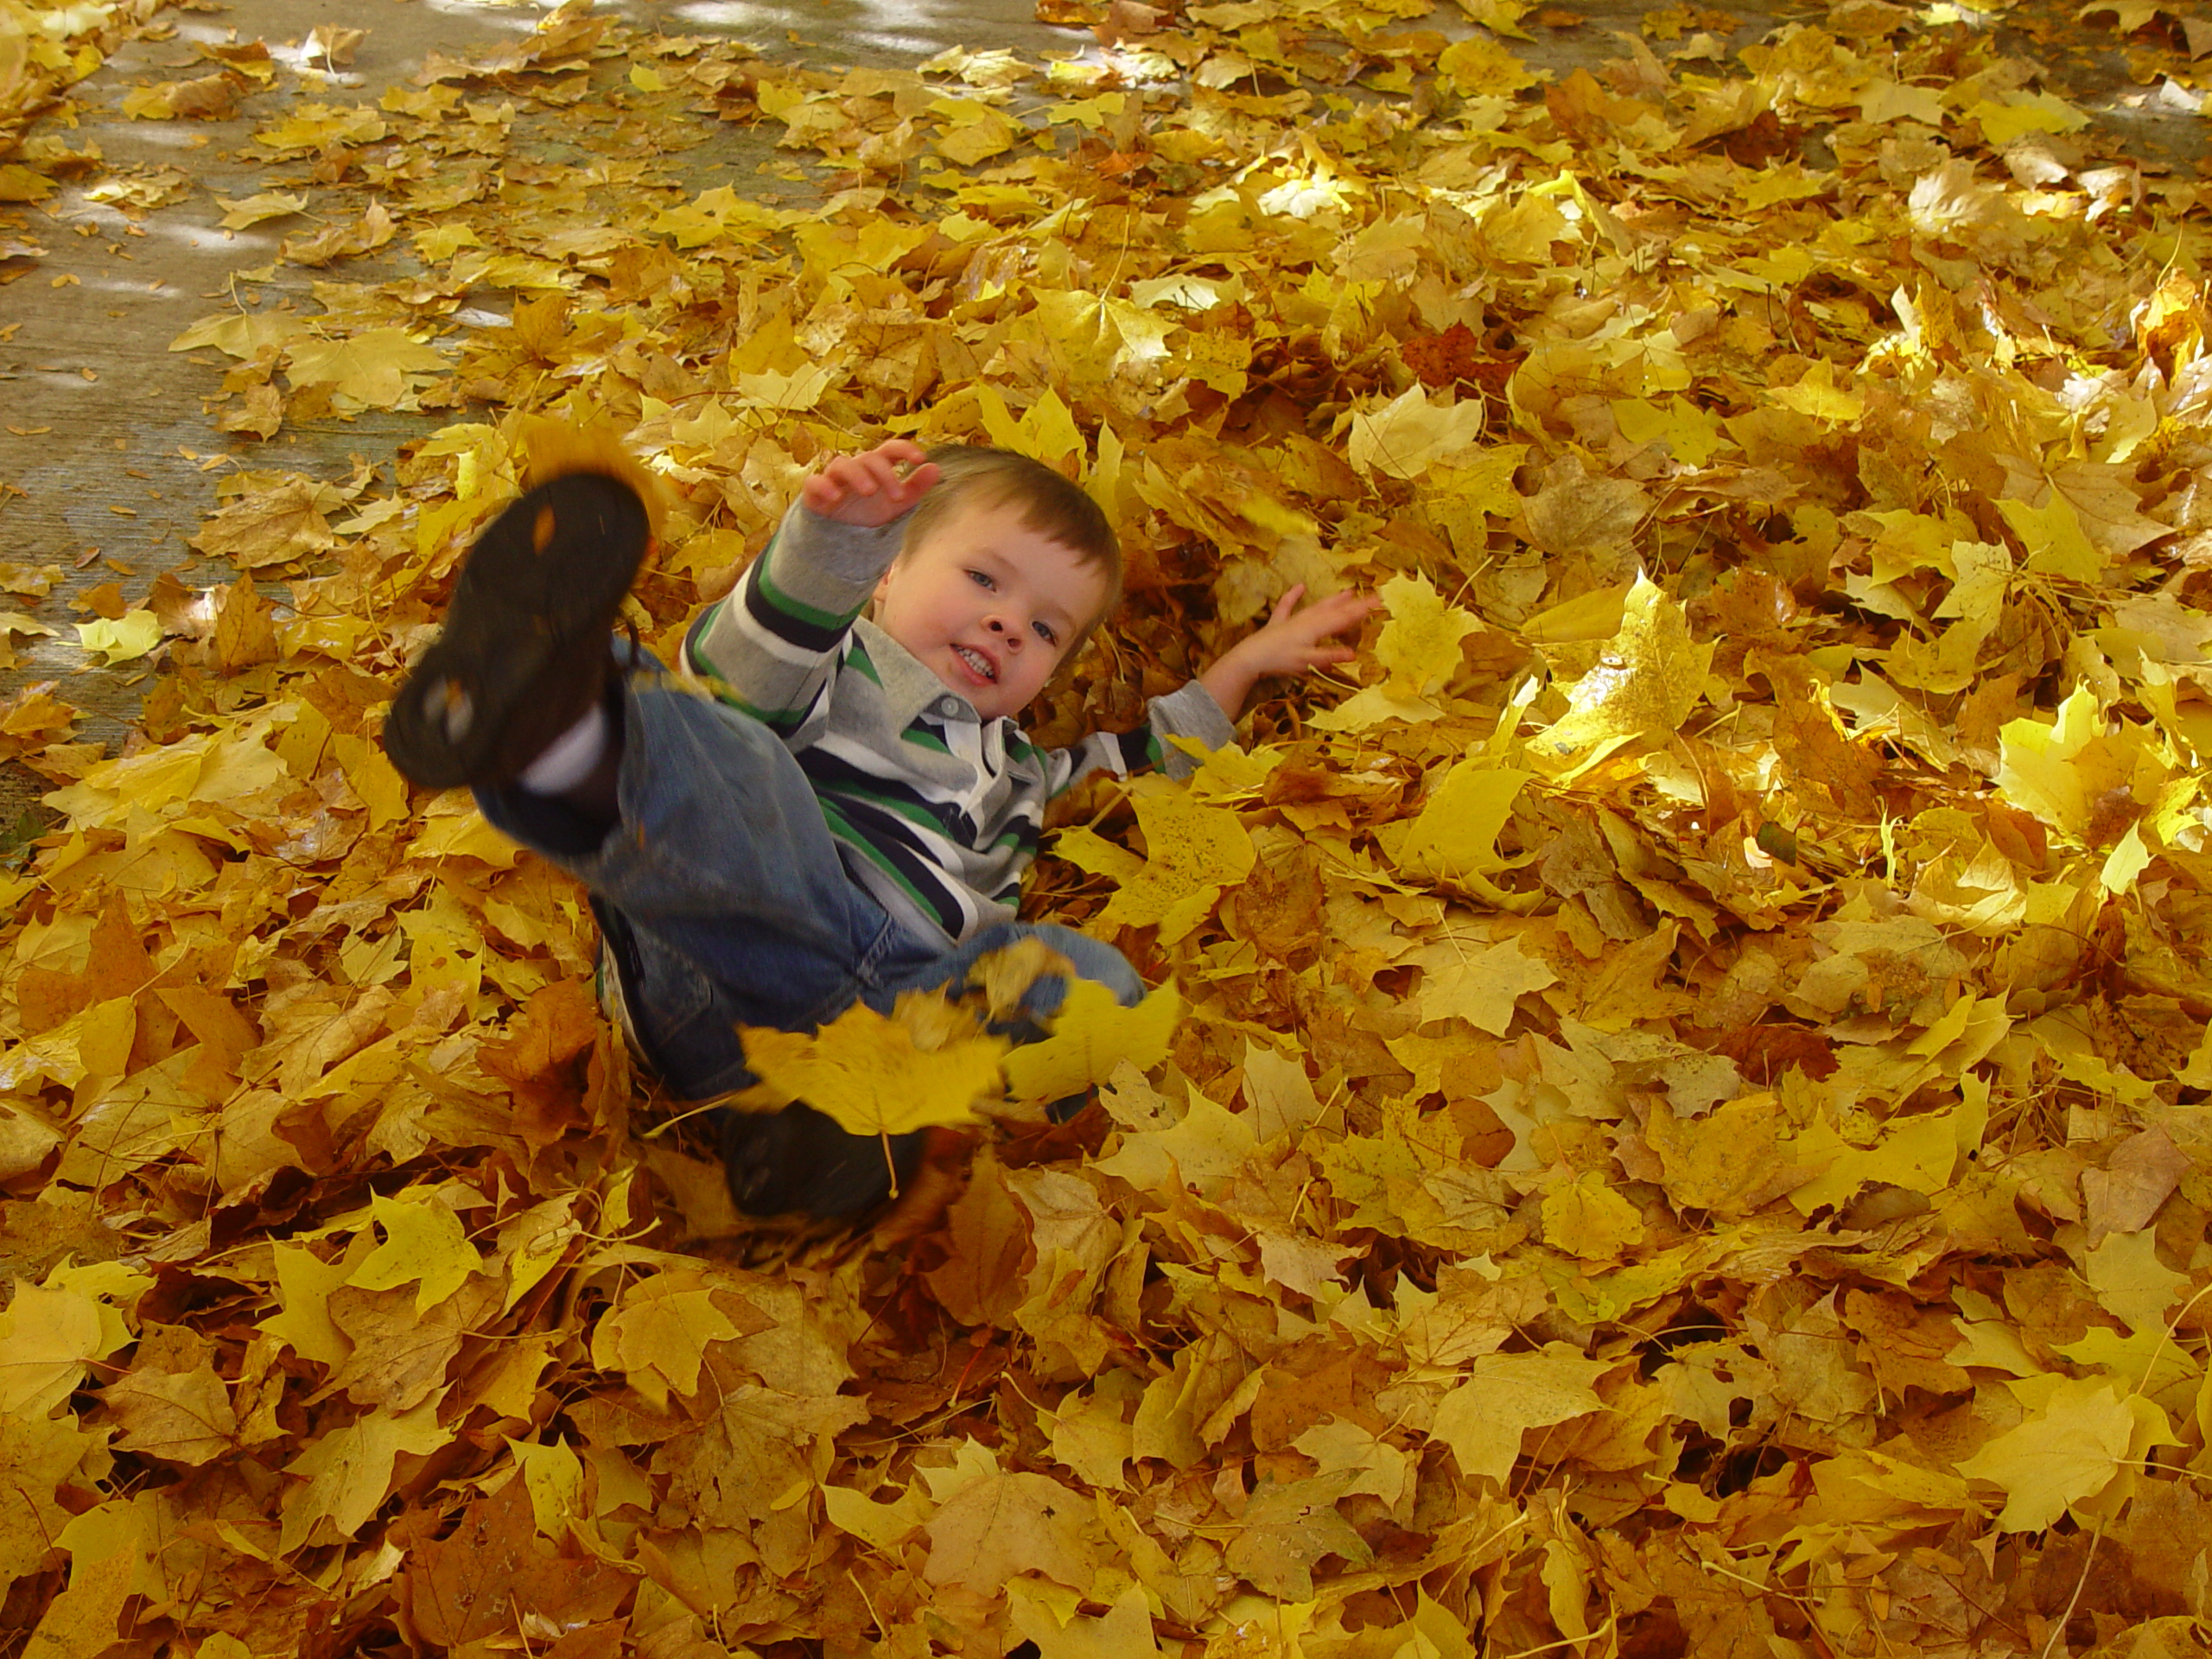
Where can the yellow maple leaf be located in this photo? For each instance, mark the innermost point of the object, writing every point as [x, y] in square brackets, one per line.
[1597, 614]
[1478, 67]
[304, 1282]
[1586, 1217]
[459, 832]
[1479, 986]
[1124, 1631]
[129, 636]
[1730, 1160]
[1691, 435]
[1501, 1394]
[2068, 1451]
[1203, 1148]
[52, 1332]
[2131, 1282]
[1503, 16]
[424, 1245]
[347, 1472]
[802, 389]
[1045, 432]
[866, 1071]
[2065, 771]
[1453, 838]
[1650, 677]
[371, 368]
[659, 1333]
[880, 1526]
[213, 98]
[1915, 1153]
[1405, 436]
[1192, 852]
[1818, 395]
[1091, 1035]
[252, 210]
[242, 335]
[1420, 647]
[554, 1476]
[720, 216]
[1480, 482]
[972, 132]
[2054, 538]
[51, 1335]
[2013, 114]
[1420, 644]
[316, 126]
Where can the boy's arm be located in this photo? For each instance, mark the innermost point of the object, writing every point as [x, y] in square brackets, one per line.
[1207, 708]
[769, 647]
[772, 645]
[1190, 712]
[1289, 643]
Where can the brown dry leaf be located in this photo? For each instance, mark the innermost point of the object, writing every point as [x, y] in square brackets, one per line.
[2135, 1183]
[207, 98]
[998, 1525]
[272, 525]
[492, 1569]
[1592, 518]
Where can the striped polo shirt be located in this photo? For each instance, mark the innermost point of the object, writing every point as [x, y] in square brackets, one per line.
[936, 809]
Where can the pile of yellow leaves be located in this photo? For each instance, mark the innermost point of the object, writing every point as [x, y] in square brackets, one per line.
[45, 49]
[1688, 1134]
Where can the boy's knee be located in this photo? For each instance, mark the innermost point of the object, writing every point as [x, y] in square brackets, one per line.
[1089, 959]
[1117, 977]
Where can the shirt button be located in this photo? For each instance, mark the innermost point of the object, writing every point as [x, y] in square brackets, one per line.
[947, 708]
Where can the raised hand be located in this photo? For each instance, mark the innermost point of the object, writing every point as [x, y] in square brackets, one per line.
[872, 488]
[1289, 642]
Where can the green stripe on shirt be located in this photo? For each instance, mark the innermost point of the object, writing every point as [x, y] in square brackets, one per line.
[796, 608]
[847, 832]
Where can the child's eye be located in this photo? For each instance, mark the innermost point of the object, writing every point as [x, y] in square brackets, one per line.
[1045, 632]
[981, 579]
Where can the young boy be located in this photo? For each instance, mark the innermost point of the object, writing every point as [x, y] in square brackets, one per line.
[849, 816]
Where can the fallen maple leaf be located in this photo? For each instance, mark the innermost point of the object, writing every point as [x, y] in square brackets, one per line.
[866, 1071]
[2068, 1450]
[1501, 1395]
[1090, 1036]
[1651, 676]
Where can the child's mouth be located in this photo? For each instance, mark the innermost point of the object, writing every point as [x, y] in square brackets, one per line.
[977, 664]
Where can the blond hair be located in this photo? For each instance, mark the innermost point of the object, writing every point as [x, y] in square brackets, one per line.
[971, 476]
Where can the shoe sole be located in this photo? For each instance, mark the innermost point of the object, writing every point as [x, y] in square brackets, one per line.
[548, 573]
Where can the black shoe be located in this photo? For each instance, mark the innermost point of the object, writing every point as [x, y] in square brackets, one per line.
[524, 652]
[798, 1160]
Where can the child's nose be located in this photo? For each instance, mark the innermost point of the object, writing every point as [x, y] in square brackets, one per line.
[1013, 636]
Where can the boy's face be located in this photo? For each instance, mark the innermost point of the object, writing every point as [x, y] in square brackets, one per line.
[991, 605]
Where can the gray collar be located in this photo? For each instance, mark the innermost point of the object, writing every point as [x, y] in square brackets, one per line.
[910, 685]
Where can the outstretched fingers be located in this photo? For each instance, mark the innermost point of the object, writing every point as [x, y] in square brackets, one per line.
[872, 488]
[1291, 640]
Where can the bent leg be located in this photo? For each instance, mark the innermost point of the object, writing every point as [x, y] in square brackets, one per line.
[1086, 958]
[1089, 958]
[721, 893]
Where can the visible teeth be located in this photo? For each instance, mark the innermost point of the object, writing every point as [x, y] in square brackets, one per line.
[976, 660]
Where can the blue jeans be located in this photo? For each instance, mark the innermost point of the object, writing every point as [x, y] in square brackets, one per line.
[725, 901]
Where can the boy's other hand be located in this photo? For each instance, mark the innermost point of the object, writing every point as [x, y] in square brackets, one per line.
[1289, 643]
[874, 487]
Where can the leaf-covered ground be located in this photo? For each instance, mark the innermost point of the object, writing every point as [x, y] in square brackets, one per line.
[1688, 1136]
